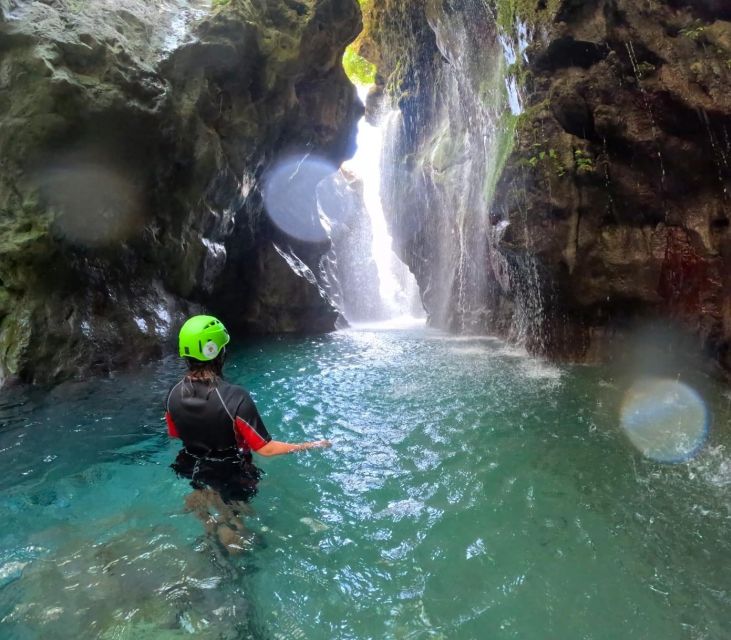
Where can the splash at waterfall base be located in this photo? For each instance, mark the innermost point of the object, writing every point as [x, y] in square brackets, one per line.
[537, 181]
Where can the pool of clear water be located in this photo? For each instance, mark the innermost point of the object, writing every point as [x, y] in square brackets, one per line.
[471, 492]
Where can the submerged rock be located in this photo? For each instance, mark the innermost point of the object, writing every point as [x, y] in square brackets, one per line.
[559, 170]
[134, 136]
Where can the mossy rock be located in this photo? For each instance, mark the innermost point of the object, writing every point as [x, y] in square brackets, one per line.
[189, 120]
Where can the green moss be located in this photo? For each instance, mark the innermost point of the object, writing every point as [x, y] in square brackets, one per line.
[530, 115]
[357, 68]
[358, 46]
[694, 30]
[15, 332]
[6, 303]
[511, 126]
[520, 71]
[555, 163]
[505, 142]
[583, 161]
[645, 69]
[511, 11]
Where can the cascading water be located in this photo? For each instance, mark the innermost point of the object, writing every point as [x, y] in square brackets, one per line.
[443, 162]
[525, 279]
[397, 290]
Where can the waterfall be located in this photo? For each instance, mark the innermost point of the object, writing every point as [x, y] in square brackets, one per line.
[397, 290]
[463, 228]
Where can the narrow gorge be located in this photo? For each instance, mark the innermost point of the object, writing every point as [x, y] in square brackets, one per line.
[468, 371]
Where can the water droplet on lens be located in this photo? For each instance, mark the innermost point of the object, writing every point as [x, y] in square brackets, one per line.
[665, 419]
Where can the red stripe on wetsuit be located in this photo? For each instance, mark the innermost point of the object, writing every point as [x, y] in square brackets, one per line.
[172, 429]
[249, 435]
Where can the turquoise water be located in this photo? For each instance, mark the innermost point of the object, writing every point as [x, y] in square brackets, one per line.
[472, 492]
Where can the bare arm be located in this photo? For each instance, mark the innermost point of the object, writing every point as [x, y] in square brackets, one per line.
[251, 432]
[275, 448]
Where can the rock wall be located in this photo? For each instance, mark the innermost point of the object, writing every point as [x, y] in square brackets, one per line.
[133, 140]
[559, 170]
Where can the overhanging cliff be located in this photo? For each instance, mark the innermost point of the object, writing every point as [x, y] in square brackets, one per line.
[133, 137]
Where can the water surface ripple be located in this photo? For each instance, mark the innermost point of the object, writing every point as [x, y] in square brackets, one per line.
[472, 492]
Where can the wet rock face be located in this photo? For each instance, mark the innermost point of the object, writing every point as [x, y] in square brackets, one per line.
[611, 200]
[629, 218]
[134, 137]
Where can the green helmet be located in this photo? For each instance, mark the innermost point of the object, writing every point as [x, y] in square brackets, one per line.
[202, 338]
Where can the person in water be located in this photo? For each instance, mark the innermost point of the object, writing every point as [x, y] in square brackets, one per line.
[220, 427]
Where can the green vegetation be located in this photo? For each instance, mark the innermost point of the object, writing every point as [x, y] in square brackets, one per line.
[511, 11]
[645, 69]
[357, 68]
[505, 142]
[510, 14]
[549, 158]
[583, 161]
[694, 30]
[217, 4]
[556, 163]
[396, 82]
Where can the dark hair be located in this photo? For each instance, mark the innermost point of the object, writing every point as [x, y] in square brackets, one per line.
[209, 371]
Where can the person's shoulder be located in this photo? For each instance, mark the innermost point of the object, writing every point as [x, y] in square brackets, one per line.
[176, 385]
[233, 392]
[173, 388]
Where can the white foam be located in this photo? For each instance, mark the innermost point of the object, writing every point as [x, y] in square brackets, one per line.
[513, 351]
[714, 466]
[401, 322]
[540, 370]
[446, 337]
[470, 351]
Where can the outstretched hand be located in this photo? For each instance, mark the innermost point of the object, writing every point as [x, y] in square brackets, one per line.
[322, 444]
[275, 448]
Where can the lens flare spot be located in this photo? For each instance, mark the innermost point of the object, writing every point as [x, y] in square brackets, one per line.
[290, 196]
[665, 419]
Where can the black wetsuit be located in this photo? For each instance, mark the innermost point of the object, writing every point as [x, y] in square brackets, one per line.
[220, 427]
